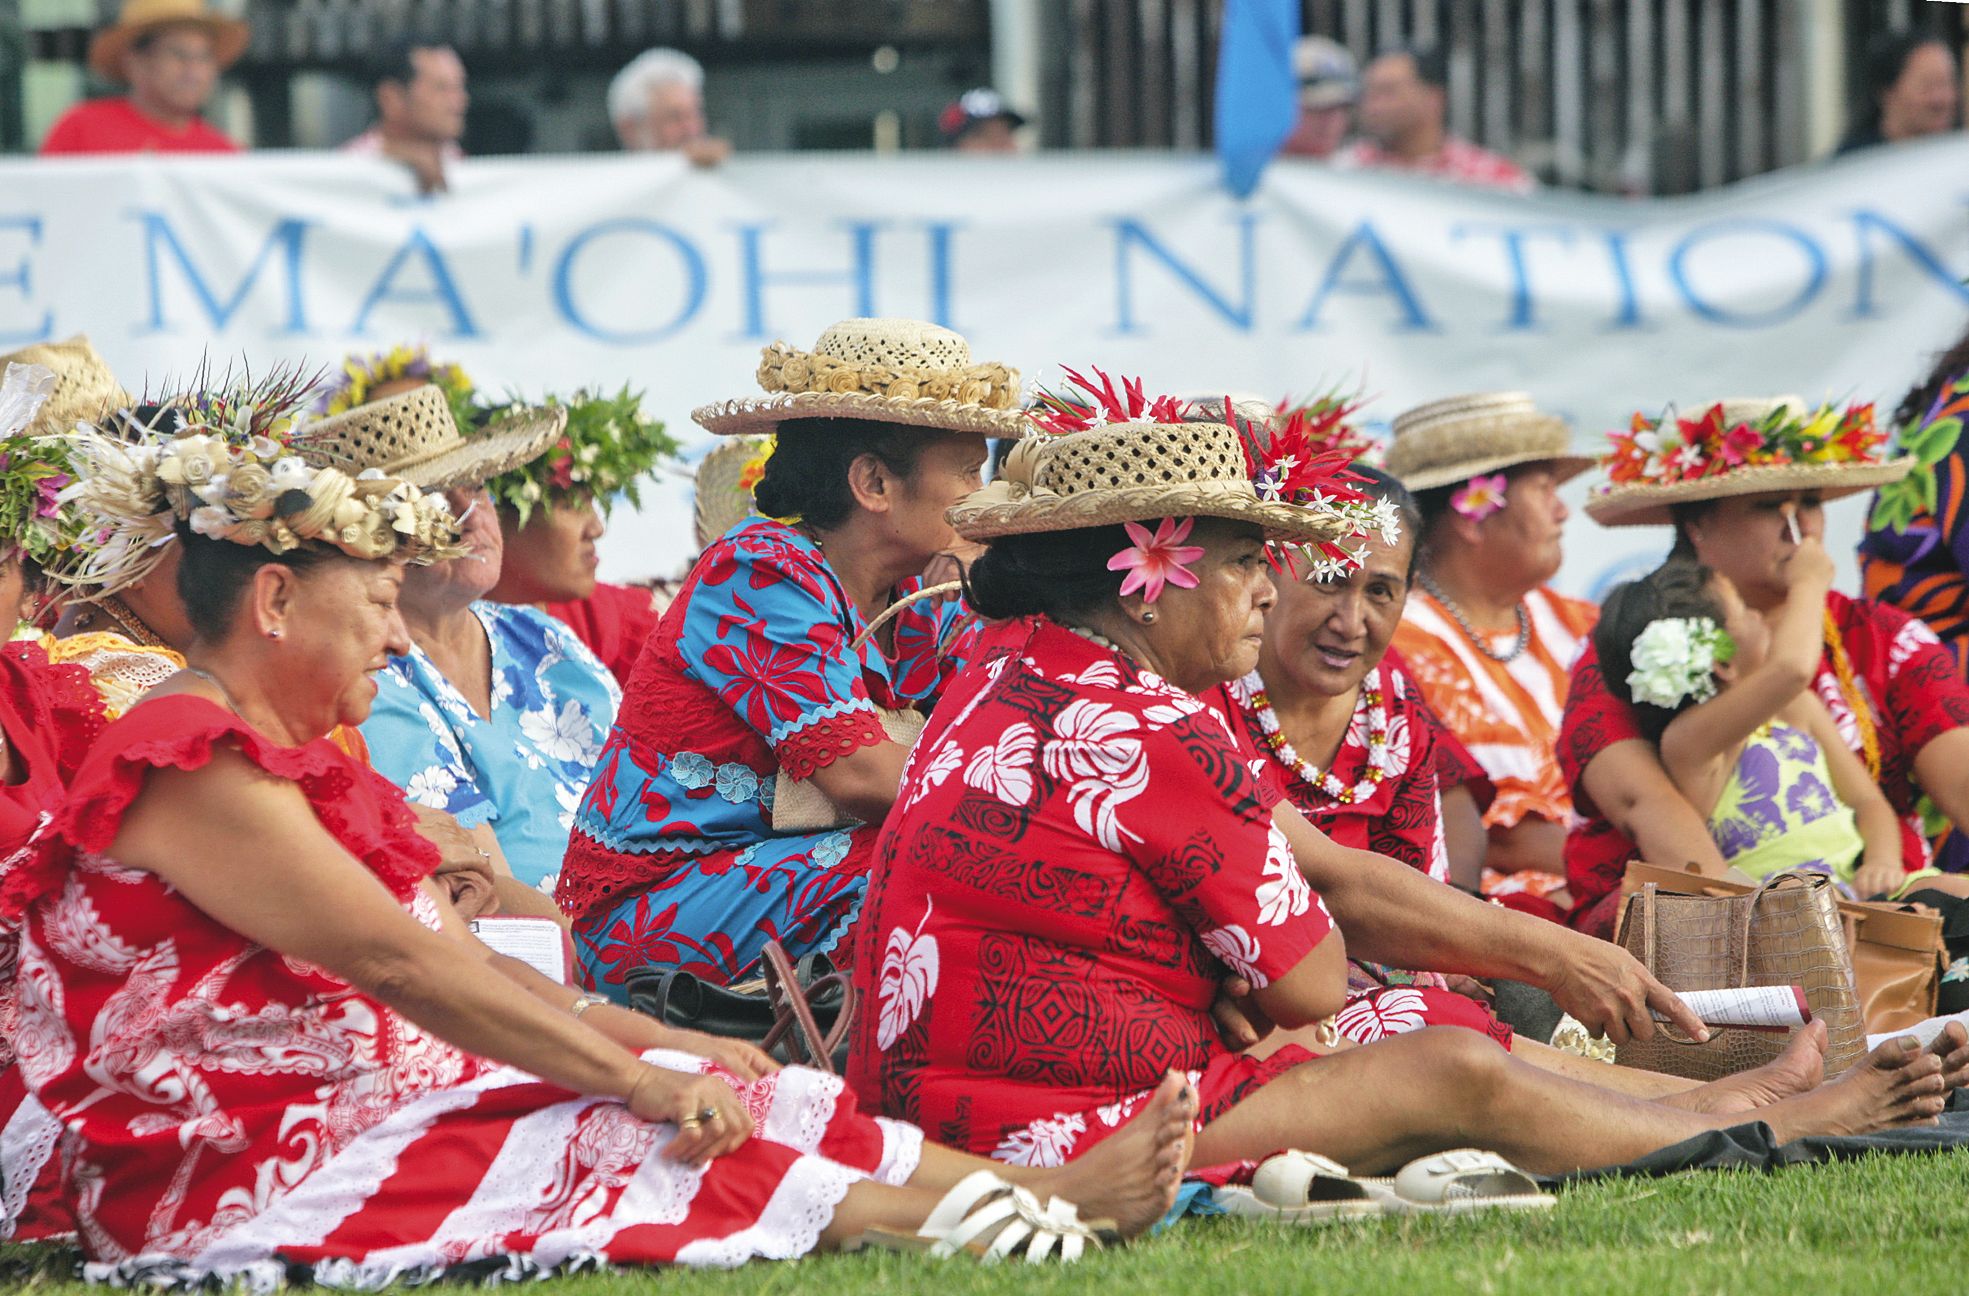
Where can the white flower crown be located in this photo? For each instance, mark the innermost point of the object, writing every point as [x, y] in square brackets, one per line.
[1676, 658]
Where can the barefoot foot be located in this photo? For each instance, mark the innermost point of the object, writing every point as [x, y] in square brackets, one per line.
[1131, 1176]
[1798, 1070]
[1900, 1083]
[1952, 1047]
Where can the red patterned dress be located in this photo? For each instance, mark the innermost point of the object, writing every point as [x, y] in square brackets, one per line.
[1082, 854]
[1399, 814]
[237, 1114]
[1902, 676]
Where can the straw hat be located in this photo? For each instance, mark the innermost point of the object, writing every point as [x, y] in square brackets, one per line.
[413, 437]
[108, 46]
[85, 389]
[1133, 472]
[723, 495]
[1649, 500]
[890, 370]
[1450, 441]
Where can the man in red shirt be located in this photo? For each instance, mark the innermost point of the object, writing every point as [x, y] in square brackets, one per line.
[1404, 106]
[170, 54]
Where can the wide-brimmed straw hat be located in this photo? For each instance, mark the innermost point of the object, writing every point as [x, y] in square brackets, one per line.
[85, 389]
[413, 437]
[1450, 441]
[724, 481]
[1785, 446]
[108, 46]
[889, 370]
[1134, 472]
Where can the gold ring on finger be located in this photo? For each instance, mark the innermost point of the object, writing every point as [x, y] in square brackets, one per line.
[689, 1122]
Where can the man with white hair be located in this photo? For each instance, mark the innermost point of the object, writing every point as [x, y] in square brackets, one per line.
[657, 106]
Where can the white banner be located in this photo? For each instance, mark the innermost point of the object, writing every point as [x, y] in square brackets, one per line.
[1834, 282]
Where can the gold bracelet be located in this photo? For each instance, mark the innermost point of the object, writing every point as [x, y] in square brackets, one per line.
[585, 1002]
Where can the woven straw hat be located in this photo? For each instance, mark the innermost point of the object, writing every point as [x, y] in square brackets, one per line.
[721, 499]
[890, 370]
[108, 46]
[1652, 503]
[413, 437]
[85, 389]
[1131, 472]
[1450, 441]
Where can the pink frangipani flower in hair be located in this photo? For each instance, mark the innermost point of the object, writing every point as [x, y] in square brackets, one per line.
[1155, 560]
[1481, 496]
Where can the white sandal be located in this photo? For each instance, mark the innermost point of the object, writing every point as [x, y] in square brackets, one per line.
[991, 1219]
[1297, 1187]
[1467, 1179]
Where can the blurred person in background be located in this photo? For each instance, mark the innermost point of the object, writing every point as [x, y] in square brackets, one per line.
[1328, 89]
[169, 53]
[657, 106]
[1404, 115]
[1911, 90]
[979, 121]
[420, 111]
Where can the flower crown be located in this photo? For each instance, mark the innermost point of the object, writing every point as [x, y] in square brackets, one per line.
[1660, 451]
[360, 376]
[608, 447]
[34, 520]
[1676, 658]
[227, 472]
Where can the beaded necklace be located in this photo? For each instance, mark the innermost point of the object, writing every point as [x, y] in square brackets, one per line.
[1849, 688]
[1250, 692]
[1481, 641]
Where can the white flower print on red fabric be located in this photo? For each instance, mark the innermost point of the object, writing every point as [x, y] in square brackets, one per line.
[1004, 769]
[1097, 754]
[1283, 894]
[1909, 640]
[1236, 950]
[1391, 1012]
[949, 757]
[909, 978]
[1048, 1141]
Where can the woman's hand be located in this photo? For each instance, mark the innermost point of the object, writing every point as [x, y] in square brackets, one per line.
[464, 868]
[709, 1118]
[743, 1060]
[1240, 1021]
[1809, 570]
[1879, 877]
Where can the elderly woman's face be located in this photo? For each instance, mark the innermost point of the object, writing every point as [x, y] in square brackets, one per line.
[552, 559]
[472, 576]
[341, 626]
[947, 470]
[1325, 636]
[1212, 634]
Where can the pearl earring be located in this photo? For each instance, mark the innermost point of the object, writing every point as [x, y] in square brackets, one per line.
[1148, 617]
[274, 633]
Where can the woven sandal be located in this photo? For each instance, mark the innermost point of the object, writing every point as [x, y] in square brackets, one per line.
[986, 1217]
[1296, 1187]
[1463, 1180]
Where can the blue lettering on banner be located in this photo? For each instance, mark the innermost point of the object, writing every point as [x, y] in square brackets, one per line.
[941, 234]
[1132, 233]
[21, 277]
[1865, 222]
[859, 275]
[1815, 266]
[286, 240]
[443, 289]
[1523, 317]
[1390, 281]
[696, 280]
[1623, 269]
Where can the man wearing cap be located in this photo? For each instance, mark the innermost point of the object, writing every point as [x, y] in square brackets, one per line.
[980, 121]
[1328, 88]
[1404, 114]
[1487, 641]
[1742, 482]
[170, 54]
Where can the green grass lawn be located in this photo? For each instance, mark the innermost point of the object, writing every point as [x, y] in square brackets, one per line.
[1888, 1226]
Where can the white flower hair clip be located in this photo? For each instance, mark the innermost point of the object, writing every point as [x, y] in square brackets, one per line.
[1676, 658]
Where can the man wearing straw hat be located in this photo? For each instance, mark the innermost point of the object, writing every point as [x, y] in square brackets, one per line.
[1742, 482]
[170, 54]
[1483, 636]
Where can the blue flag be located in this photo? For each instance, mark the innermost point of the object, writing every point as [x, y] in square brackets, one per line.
[1257, 95]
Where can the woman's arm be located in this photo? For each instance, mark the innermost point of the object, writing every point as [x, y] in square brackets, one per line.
[1464, 837]
[864, 783]
[1627, 783]
[1315, 988]
[1881, 870]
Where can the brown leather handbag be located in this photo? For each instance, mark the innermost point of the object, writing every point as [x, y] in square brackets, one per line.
[1786, 932]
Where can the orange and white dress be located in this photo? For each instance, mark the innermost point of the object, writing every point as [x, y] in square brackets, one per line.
[1506, 713]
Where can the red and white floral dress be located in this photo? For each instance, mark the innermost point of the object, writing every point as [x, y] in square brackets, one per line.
[1379, 794]
[236, 1114]
[1080, 854]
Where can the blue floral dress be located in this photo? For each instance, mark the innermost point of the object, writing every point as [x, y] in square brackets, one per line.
[522, 770]
[674, 861]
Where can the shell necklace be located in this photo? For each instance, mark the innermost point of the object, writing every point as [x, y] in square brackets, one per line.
[1250, 691]
[1480, 640]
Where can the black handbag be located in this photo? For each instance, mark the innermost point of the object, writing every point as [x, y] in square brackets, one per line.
[801, 1017]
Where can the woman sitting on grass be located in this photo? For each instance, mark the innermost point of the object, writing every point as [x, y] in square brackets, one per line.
[1728, 700]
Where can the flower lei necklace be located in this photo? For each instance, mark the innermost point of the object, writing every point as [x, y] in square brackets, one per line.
[1856, 701]
[1251, 692]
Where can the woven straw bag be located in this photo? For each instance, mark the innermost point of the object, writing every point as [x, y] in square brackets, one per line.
[1786, 932]
[799, 806]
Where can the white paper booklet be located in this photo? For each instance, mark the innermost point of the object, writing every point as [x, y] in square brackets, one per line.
[1750, 1008]
[537, 942]
[1925, 1032]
